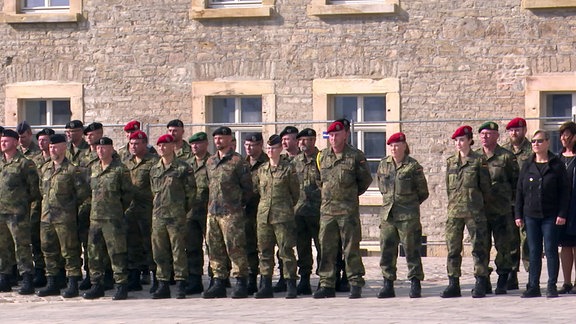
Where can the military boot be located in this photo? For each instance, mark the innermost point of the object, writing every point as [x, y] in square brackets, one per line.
[387, 290]
[5, 285]
[122, 291]
[218, 290]
[61, 279]
[72, 289]
[134, 280]
[291, 290]
[281, 284]
[415, 288]
[252, 286]
[85, 284]
[304, 287]
[95, 292]
[501, 284]
[512, 283]
[27, 287]
[153, 282]
[181, 289]
[241, 288]
[163, 291]
[51, 289]
[108, 280]
[266, 290]
[355, 292]
[343, 285]
[453, 289]
[324, 292]
[479, 290]
[194, 285]
[145, 277]
[39, 278]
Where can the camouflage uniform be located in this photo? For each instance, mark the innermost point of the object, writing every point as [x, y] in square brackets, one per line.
[307, 211]
[279, 189]
[174, 190]
[518, 235]
[404, 188]
[251, 214]
[74, 154]
[500, 220]
[85, 159]
[230, 188]
[468, 187]
[345, 176]
[18, 189]
[111, 195]
[63, 190]
[185, 152]
[125, 155]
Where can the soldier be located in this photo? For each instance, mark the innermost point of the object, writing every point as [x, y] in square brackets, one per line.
[111, 195]
[76, 143]
[500, 219]
[196, 218]
[27, 145]
[307, 210]
[63, 188]
[230, 189]
[345, 175]
[522, 149]
[255, 156]
[174, 189]
[181, 148]
[43, 138]
[18, 188]
[129, 129]
[277, 183]
[403, 186]
[468, 187]
[139, 214]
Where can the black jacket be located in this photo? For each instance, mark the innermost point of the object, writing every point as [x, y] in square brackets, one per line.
[541, 195]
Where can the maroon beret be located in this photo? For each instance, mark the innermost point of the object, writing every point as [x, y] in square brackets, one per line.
[132, 126]
[335, 127]
[166, 138]
[138, 135]
[462, 131]
[395, 138]
[516, 122]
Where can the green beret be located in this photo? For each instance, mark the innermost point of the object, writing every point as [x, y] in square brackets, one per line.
[198, 137]
[488, 125]
[223, 130]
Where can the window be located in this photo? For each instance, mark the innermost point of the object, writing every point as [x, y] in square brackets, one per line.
[352, 7]
[41, 11]
[536, 4]
[560, 107]
[46, 112]
[208, 9]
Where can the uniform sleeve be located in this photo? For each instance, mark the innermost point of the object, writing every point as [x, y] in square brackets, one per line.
[484, 180]
[421, 183]
[245, 177]
[33, 181]
[294, 185]
[447, 178]
[513, 170]
[81, 187]
[190, 188]
[363, 174]
[256, 182]
[380, 174]
[127, 188]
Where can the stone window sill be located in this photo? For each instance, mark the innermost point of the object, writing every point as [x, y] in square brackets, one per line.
[548, 4]
[352, 9]
[40, 18]
[208, 13]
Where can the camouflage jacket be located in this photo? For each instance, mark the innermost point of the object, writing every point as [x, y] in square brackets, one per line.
[309, 179]
[403, 188]
[174, 189]
[185, 152]
[73, 154]
[344, 177]
[252, 204]
[111, 190]
[18, 185]
[279, 190]
[524, 154]
[125, 155]
[230, 183]
[140, 175]
[31, 151]
[40, 160]
[468, 186]
[202, 186]
[63, 190]
[504, 172]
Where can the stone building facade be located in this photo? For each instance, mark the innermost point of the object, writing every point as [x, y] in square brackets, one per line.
[430, 66]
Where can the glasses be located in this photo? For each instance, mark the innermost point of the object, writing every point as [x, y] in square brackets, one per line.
[538, 140]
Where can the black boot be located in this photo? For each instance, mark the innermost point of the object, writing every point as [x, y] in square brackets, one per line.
[479, 290]
[108, 280]
[501, 284]
[134, 280]
[61, 279]
[291, 291]
[218, 290]
[343, 285]
[453, 289]
[304, 287]
[5, 285]
[387, 290]
[51, 288]
[266, 290]
[145, 276]
[281, 284]
[153, 282]
[241, 288]
[95, 292]
[194, 285]
[415, 288]
[355, 292]
[512, 283]
[72, 289]
[39, 278]
[27, 287]
[252, 286]
[122, 291]
[324, 292]
[163, 291]
[181, 289]
[85, 284]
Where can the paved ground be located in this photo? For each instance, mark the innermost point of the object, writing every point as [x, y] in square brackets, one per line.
[429, 309]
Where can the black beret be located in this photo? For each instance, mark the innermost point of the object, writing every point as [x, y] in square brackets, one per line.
[289, 130]
[74, 124]
[274, 140]
[344, 122]
[10, 133]
[45, 131]
[105, 141]
[254, 137]
[1, 129]
[306, 132]
[57, 138]
[23, 127]
[223, 130]
[175, 123]
[198, 137]
[92, 127]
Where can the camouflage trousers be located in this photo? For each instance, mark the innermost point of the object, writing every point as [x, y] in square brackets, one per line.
[38, 257]
[226, 240]
[169, 248]
[454, 242]
[348, 229]
[284, 236]
[15, 243]
[195, 242]
[60, 241]
[107, 239]
[252, 238]
[138, 238]
[307, 229]
[499, 228]
[409, 233]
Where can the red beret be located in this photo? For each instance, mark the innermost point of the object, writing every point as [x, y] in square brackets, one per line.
[462, 131]
[395, 138]
[138, 135]
[516, 122]
[335, 127]
[166, 138]
[132, 126]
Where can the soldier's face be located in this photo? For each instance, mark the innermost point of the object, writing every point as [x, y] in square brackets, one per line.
[105, 151]
[199, 148]
[289, 142]
[166, 149]
[517, 134]
[488, 137]
[253, 149]
[397, 150]
[127, 134]
[8, 144]
[44, 142]
[137, 146]
[176, 132]
[307, 143]
[25, 138]
[337, 139]
[93, 137]
[222, 142]
[274, 151]
[73, 135]
[462, 143]
[57, 151]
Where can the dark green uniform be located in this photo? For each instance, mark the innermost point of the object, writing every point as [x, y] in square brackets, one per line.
[125, 155]
[74, 154]
[404, 188]
[185, 152]
[251, 212]
[344, 176]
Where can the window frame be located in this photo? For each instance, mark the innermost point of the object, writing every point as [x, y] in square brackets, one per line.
[326, 8]
[13, 13]
[201, 9]
[547, 4]
[49, 110]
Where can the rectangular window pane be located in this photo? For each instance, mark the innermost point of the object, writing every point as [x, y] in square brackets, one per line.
[374, 145]
[34, 3]
[35, 112]
[223, 110]
[60, 3]
[61, 112]
[346, 107]
[561, 105]
[374, 108]
[251, 109]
